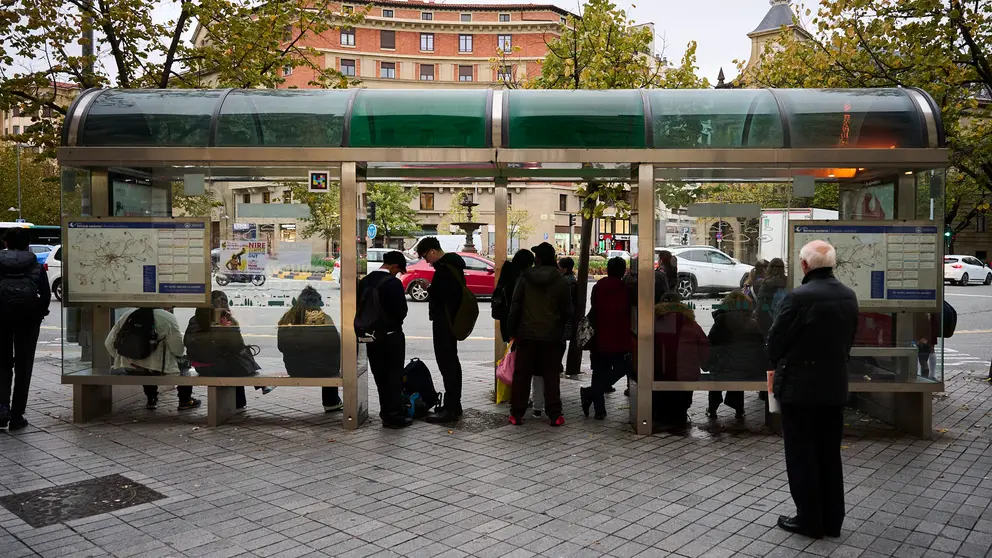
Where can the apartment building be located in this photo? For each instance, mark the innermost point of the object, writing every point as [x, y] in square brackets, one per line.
[15, 120]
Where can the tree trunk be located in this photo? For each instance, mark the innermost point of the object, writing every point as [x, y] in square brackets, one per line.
[573, 364]
[327, 247]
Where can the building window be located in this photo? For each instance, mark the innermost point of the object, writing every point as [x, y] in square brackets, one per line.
[427, 42]
[509, 199]
[980, 221]
[387, 13]
[427, 16]
[504, 18]
[505, 42]
[347, 37]
[427, 72]
[246, 198]
[387, 70]
[464, 43]
[505, 73]
[465, 73]
[17, 130]
[466, 17]
[348, 9]
[287, 233]
[266, 197]
[15, 111]
[564, 21]
[348, 67]
[562, 202]
[287, 70]
[426, 201]
[387, 40]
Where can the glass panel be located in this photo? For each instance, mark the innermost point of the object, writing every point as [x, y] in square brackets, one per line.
[868, 118]
[578, 119]
[283, 118]
[718, 118]
[419, 119]
[150, 118]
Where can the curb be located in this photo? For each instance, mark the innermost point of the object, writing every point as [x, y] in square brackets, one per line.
[303, 276]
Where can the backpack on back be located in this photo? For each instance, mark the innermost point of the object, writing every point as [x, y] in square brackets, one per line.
[418, 389]
[18, 295]
[137, 338]
[950, 316]
[463, 322]
[369, 312]
[500, 304]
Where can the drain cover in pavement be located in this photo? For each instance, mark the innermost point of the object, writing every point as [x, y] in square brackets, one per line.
[476, 421]
[49, 506]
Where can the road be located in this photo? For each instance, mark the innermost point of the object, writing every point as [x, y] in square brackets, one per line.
[968, 349]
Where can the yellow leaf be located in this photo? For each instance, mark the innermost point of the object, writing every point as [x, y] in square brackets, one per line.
[845, 447]
[942, 430]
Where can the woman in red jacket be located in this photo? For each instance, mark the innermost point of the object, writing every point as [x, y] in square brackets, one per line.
[614, 340]
[681, 349]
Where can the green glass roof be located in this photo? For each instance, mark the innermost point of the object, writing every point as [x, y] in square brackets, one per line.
[527, 119]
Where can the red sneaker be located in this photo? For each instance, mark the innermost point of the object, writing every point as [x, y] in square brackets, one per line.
[558, 421]
[515, 421]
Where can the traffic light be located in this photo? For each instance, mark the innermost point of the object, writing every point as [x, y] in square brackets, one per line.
[947, 232]
[371, 212]
[571, 219]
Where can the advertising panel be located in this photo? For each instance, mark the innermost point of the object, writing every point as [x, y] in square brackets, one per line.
[243, 256]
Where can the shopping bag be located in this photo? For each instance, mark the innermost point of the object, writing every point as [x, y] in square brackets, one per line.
[503, 392]
[773, 406]
[504, 370]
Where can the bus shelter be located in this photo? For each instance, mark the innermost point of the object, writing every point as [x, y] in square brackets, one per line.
[173, 175]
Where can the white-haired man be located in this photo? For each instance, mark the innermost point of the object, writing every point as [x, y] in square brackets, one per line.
[809, 344]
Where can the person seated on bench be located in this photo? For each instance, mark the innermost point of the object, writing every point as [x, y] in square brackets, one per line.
[311, 345]
[148, 341]
[215, 346]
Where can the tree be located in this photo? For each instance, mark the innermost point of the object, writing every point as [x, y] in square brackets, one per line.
[941, 46]
[201, 205]
[518, 224]
[40, 192]
[456, 213]
[241, 43]
[393, 214]
[325, 212]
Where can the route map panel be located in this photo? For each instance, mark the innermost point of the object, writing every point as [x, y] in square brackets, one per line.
[137, 261]
[893, 265]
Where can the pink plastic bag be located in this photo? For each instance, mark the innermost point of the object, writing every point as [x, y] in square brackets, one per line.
[504, 371]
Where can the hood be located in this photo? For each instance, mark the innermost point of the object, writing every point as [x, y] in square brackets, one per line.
[732, 316]
[665, 308]
[314, 317]
[541, 276]
[453, 260]
[17, 261]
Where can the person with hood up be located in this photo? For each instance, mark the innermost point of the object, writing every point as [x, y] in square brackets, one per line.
[541, 306]
[25, 295]
[681, 349]
[614, 340]
[737, 350]
[311, 345]
[445, 299]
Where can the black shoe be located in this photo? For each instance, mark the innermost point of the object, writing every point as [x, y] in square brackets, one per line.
[444, 416]
[586, 400]
[537, 414]
[152, 403]
[610, 389]
[600, 416]
[4, 416]
[832, 534]
[187, 405]
[792, 525]
[397, 422]
[626, 392]
[17, 423]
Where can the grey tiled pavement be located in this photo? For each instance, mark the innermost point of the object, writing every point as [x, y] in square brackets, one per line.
[283, 479]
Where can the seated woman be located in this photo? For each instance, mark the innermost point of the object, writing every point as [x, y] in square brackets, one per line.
[311, 345]
[680, 351]
[737, 350]
[215, 347]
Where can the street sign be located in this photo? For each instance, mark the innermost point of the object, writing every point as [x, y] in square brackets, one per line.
[719, 236]
[373, 230]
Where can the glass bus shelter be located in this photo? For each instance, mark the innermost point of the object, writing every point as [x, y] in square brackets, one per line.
[196, 167]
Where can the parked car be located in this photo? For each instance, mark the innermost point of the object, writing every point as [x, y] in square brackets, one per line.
[40, 251]
[965, 270]
[53, 265]
[623, 254]
[372, 262]
[704, 269]
[480, 276]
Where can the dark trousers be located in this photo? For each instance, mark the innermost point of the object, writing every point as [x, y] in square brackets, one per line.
[329, 396]
[812, 437]
[536, 358]
[446, 354]
[733, 399]
[185, 392]
[386, 357]
[18, 341]
[607, 370]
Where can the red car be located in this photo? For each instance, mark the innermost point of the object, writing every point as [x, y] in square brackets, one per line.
[480, 276]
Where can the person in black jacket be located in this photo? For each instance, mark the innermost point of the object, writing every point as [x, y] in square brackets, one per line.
[445, 299]
[311, 344]
[737, 350]
[387, 350]
[765, 307]
[810, 345]
[24, 298]
[508, 277]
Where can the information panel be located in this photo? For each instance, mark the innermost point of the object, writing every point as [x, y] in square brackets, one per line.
[893, 265]
[129, 261]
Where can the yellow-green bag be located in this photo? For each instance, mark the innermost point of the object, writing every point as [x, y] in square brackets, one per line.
[503, 390]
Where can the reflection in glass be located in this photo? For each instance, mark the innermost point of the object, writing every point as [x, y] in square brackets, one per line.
[281, 118]
[150, 117]
[716, 119]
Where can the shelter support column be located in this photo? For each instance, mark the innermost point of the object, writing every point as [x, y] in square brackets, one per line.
[354, 377]
[500, 253]
[641, 391]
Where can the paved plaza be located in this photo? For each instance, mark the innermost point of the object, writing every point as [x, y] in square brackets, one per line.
[284, 479]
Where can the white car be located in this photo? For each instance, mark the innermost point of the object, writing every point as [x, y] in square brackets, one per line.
[54, 267]
[373, 261]
[704, 269]
[965, 270]
[623, 254]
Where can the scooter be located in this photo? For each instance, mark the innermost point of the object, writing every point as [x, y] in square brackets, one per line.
[225, 277]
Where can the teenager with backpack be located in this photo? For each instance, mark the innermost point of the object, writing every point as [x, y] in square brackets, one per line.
[24, 298]
[379, 322]
[450, 310]
[149, 341]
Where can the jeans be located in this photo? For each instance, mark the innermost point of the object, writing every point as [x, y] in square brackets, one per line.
[446, 354]
[185, 392]
[536, 358]
[18, 341]
[812, 437]
[537, 392]
[386, 357]
[607, 370]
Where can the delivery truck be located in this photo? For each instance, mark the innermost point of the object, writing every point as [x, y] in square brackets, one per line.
[773, 234]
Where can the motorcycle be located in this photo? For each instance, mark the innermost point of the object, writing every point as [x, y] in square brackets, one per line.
[225, 278]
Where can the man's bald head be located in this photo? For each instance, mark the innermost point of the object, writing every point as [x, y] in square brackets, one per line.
[817, 255]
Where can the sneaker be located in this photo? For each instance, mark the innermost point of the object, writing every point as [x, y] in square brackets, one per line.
[339, 406]
[152, 403]
[610, 389]
[4, 415]
[537, 413]
[191, 404]
[17, 423]
[515, 421]
[559, 421]
[268, 389]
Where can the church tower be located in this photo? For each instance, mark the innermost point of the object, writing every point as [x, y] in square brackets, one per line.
[779, 15]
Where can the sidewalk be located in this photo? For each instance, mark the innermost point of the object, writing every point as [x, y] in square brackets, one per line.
[284, 479]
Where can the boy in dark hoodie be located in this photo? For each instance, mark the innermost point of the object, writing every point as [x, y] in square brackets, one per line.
[445, 298]
[24, 298]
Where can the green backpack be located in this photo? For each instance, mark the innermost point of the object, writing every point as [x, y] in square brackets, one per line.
[463, 322]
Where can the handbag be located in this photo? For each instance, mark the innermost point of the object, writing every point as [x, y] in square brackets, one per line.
[504, 370]
[585, 333]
